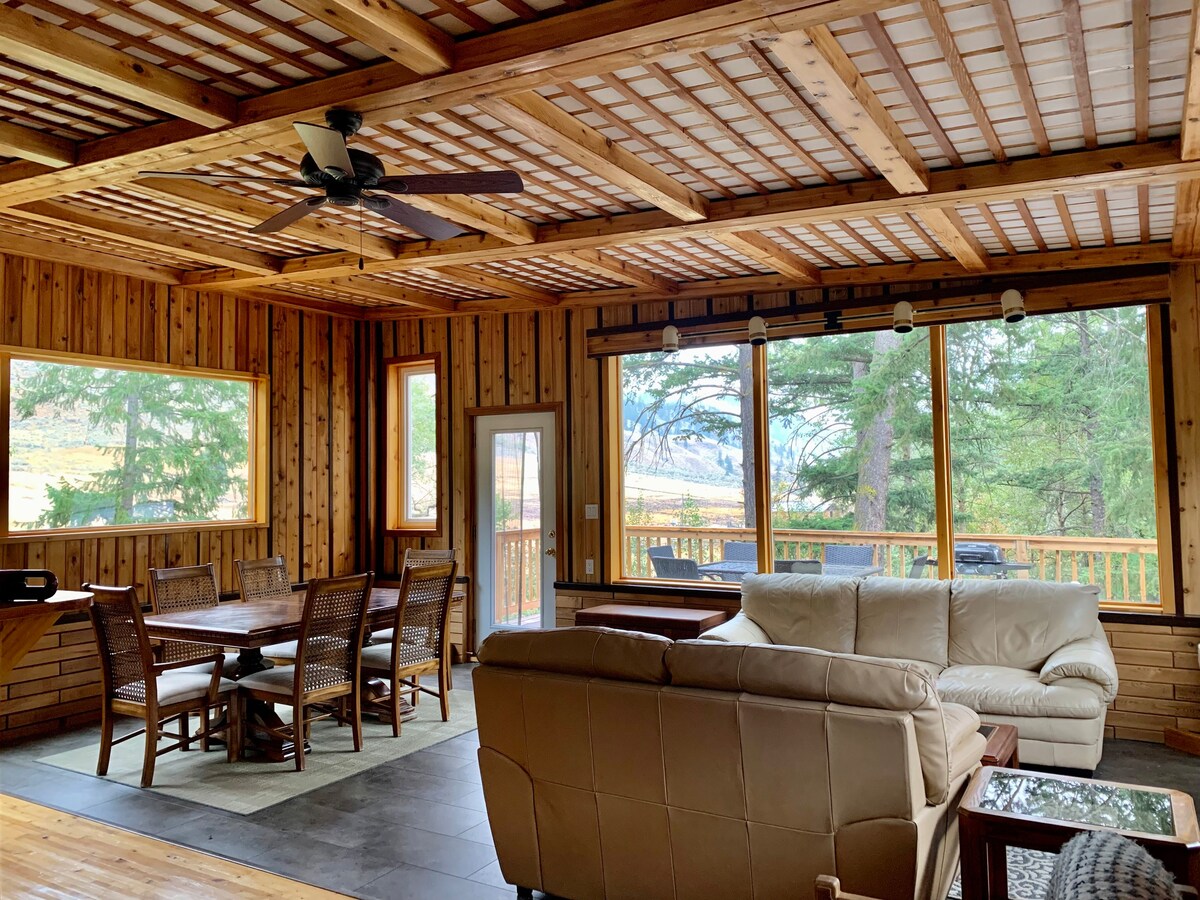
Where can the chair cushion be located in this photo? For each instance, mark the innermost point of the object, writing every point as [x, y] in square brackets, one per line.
[284, 650]
[414, 633]
[903, 618]
[175, 686]
[819, 611]
[1017, 623]
[1006, 691]
[377, 656]
[385, 636]
[278, 680]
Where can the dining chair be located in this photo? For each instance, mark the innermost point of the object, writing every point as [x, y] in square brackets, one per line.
[678, 569]
[135, 684]
[414, 559]
[849, 554]
[422, 618]
[267, 579]
[181, 589]
[798, 566]
[328, 662]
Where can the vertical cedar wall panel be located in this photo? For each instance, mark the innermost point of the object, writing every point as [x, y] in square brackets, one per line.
[310, 359]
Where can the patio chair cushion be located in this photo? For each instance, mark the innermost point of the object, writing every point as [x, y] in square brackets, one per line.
[818, 611]
[1017, 623]
[1006, 691]
[176, 686]
[904, 617]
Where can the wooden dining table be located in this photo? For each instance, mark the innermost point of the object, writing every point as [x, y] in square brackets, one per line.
[250, 626]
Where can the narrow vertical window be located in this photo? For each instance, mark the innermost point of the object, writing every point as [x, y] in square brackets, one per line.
[412, 445]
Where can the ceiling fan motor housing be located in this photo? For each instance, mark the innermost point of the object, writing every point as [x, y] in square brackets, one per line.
[367, 170]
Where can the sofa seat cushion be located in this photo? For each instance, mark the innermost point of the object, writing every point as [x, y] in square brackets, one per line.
[1017, 692]
[905, 618]
[963, 738]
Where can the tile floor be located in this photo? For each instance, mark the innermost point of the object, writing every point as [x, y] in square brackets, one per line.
[412, 829]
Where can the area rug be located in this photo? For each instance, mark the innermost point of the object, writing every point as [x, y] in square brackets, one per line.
[253, 784]
[1028, 875]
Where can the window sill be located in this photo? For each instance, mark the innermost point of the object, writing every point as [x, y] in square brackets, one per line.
[24, 537]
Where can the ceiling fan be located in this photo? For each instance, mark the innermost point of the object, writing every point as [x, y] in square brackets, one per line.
[346, 176]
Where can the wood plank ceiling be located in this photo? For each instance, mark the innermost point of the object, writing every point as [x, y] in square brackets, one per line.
[669, 149]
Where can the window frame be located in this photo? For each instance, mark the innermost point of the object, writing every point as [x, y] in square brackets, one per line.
[397, 371]
[258, 437]
[1157, 361]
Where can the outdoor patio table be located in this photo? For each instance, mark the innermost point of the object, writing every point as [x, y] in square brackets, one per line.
[739, 569]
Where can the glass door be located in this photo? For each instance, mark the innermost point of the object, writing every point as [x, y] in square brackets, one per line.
[516, 516]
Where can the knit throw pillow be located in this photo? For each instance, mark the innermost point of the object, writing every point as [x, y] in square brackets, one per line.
[1101, 865]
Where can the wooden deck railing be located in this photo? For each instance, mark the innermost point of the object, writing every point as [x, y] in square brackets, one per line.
[518, 588]
[1125, 569]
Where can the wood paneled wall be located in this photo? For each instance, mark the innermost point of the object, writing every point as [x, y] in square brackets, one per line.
[311, 360]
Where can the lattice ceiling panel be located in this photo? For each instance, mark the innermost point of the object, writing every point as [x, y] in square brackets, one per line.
[338, 295]
[468, 17]
[61, 234]
[171, 216]
[548, 274]
[431, 281]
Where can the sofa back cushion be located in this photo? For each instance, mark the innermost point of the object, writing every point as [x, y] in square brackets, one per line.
[904, 618]
[818, 611]
[1017, 623]
[799, 673]
[583, 650]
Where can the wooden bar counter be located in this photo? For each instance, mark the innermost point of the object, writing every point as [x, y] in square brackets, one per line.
[22, 624]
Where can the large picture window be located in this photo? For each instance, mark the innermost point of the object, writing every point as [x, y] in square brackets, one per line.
[411, 481]
[1051, 471]
[94, 445]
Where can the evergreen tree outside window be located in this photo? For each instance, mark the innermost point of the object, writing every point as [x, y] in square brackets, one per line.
[100, 446]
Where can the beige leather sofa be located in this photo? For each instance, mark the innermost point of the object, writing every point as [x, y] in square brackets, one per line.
[618, 764]
[1027, 653]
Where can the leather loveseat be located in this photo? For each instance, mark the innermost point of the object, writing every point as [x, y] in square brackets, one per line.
[1022, 652]
[618, 764]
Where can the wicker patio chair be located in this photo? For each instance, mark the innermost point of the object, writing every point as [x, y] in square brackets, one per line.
[328, 663]
[422, 617]
[156, 692]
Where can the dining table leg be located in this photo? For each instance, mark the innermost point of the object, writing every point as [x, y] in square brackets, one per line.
[261, 713]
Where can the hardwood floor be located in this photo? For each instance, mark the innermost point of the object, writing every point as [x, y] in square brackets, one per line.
[50, 854]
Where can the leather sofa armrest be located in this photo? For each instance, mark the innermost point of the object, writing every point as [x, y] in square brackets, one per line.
[1088, 658]
[741, 629]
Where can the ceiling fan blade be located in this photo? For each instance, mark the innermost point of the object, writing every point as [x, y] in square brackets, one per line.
[326, 146]
[433, 227]
[454, 183]
[286, 217]
[200, 176]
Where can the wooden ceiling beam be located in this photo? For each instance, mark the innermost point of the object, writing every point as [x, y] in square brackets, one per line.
[150, 237]
[564, 135]
[816, 58]
[1033, 177]
[1185, 236]
[613, 269]
[36, 42]
[388, 27]
[393, 294]
[949, 227]
[1020, 73]
[1130, 255]
[229, 205]
[601, 38]
[498, 285]
[763, 250]
[85, 257]
[36, 146]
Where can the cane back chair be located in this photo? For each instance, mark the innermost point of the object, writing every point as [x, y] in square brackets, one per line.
[267, 579]
[181, 589]
[414, 559]
[422, 616]
[156, 692]
[328, 663]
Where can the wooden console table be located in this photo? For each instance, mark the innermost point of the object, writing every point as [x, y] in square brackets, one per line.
[23, 623]
[675, 622]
